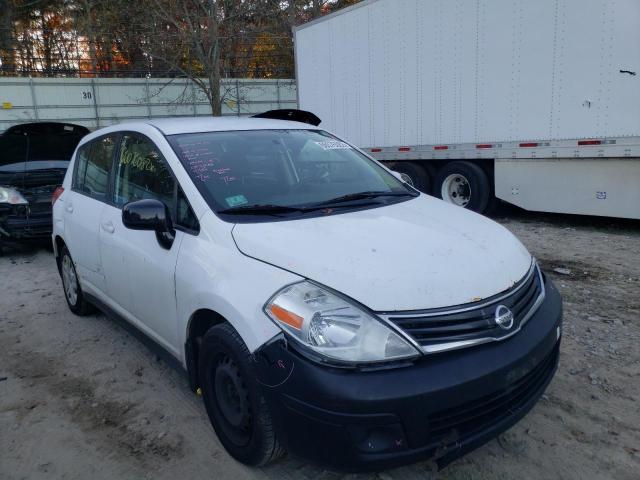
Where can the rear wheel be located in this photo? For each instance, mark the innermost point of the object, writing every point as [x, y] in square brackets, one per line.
[71, 285]
[463, 184]
[233, 400]
[419, 175]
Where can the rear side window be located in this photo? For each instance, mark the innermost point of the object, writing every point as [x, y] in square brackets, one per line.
[93, 164]
[81, 166]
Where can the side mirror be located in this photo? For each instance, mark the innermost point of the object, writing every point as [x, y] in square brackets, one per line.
[153, 215]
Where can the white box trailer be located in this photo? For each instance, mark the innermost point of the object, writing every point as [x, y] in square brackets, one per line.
[535, 102]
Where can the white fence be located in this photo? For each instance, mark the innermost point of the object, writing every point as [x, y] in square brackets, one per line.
[98, 102]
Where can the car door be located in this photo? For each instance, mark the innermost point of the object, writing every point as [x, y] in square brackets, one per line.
[140, 273]
[83, 208]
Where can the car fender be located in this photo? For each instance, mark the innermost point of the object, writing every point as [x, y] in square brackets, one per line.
[212, 274]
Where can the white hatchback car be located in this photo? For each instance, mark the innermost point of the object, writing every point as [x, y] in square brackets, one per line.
[319, 304]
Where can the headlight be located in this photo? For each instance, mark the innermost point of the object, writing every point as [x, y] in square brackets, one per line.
[11, 196]
[334, 327]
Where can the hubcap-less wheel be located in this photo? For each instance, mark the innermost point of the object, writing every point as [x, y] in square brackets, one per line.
[232, 397]
[69, 280]
[228, 376]
[456, 190]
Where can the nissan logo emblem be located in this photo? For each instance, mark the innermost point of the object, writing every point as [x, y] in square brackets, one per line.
[504, 317]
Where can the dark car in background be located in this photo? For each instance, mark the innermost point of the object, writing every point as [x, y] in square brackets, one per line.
[33, 160]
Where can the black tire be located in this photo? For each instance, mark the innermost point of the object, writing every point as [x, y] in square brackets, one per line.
[236, 408]
[77, 304]
[419, 175]
[479, 190]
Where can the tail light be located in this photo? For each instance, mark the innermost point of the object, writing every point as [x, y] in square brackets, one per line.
[56, 194]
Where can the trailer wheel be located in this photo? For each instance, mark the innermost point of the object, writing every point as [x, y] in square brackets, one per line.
[464, 184]
[419, 176]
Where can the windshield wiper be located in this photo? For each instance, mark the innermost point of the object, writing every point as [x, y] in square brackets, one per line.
[270, 209]
[261, 209]
[365, 196]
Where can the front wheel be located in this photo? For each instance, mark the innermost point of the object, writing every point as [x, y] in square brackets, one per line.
[463, 184]
[233, 400]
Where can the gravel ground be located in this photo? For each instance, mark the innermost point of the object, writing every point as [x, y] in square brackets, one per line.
[86, 398]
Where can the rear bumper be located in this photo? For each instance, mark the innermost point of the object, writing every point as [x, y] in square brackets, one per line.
[440, 408]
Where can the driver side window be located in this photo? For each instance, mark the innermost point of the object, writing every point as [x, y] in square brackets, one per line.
[141, 173]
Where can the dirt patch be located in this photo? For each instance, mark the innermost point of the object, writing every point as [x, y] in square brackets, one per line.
[117, 423]
[572, 269]
[83, 398]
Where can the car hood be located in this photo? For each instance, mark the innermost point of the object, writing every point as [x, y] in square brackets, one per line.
[418, 254]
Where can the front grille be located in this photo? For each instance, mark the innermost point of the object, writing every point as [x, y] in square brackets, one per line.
[465, 325]
[40, 208]
[466, 419]
[39, 199]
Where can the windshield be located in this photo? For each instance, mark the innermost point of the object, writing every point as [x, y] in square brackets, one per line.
[278, 172]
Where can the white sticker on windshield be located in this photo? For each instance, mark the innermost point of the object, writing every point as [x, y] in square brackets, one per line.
[333, 145]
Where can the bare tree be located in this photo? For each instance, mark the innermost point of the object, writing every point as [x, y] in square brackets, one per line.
[191, 36]
[206, 40]
[7, 39]
[202, 40]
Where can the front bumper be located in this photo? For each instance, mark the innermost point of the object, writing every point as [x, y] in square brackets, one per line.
[439, 408]
[18, 223]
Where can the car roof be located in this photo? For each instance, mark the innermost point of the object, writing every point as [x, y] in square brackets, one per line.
[177, 125]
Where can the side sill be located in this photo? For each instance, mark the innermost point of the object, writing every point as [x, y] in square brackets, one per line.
[150, 343]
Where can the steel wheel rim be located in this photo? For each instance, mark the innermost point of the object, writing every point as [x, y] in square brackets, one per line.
[232, 398]
[69, 280]
[456, 189]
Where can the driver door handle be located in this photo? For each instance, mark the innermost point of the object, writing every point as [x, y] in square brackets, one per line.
[108, 227]
[69, 208]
